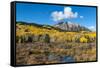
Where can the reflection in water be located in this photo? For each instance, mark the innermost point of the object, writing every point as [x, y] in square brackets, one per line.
[61, 59]
[67, 59]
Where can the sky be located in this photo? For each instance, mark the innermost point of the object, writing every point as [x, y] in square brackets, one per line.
[52, 14]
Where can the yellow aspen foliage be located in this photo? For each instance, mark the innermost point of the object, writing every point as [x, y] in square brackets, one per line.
[55, 34]
[83, 40]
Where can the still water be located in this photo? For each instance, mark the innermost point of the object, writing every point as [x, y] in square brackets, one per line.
[61, 59]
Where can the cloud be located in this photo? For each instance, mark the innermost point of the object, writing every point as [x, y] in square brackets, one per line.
[69, 14]
[81, 17]
[92, 28]
[65, 14]
[57, 15]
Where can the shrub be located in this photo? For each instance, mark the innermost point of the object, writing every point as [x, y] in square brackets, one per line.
[44, 38]
[83, 40]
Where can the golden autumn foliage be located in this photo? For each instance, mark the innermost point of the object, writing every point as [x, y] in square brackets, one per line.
[55, 34]
[38, 43]
[83, 40]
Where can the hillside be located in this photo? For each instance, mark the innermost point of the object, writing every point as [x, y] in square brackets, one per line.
[61, 26]
[69, 26]
[45, 44]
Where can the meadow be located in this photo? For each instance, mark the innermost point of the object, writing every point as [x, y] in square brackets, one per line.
[47, 45]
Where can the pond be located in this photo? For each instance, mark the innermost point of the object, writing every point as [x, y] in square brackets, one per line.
[61, 59]
[64, 59]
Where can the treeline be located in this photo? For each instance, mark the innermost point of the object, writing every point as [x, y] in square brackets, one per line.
[47, 38]
[33, 38]
[31, 33]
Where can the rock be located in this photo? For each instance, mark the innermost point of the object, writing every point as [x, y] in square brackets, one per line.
[69, 26]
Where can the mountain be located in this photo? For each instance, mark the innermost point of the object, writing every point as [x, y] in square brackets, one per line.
[69, 26]
[61, 26]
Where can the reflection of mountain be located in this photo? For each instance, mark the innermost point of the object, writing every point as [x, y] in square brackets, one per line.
[68, 26]
[62, 26]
